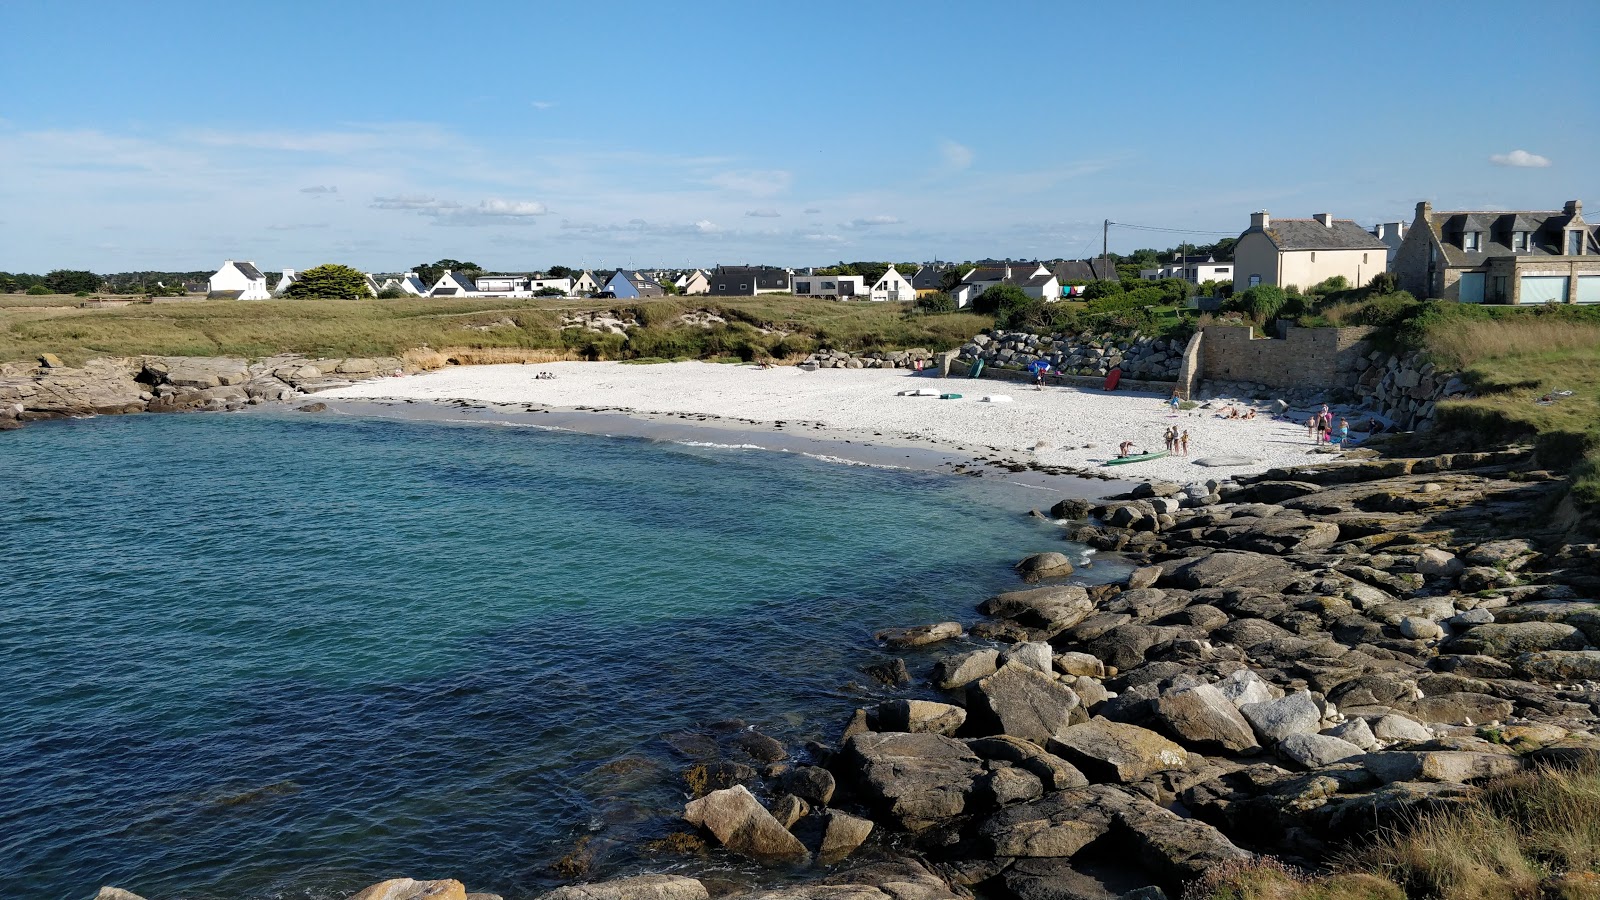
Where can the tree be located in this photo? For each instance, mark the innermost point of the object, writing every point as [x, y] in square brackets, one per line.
[1099, 290]
[559, 272]
[668, 288]
[1001, 296]
[432, 272]
[328, 282]
[950, 278]
[71, 281]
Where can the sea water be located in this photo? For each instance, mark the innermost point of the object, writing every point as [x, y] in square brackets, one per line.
[283, 655]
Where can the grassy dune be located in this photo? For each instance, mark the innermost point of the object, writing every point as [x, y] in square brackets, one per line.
[778, 326]
[1519, 367]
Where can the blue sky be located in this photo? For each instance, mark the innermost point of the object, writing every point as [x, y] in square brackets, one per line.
[171, 135]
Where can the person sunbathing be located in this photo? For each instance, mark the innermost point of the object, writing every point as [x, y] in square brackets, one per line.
[1249, 415]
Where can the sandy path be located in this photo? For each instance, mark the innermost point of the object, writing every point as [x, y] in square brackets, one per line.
[1057, 426]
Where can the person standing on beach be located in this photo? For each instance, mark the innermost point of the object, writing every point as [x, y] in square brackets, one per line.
[1344, 433]
[1184, 442]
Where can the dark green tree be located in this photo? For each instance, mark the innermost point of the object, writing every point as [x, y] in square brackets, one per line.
[1099, 290]
[431, 272]
[939, 302]
[71, 281]
[559, 272]
[1001, 296]
[329, 282]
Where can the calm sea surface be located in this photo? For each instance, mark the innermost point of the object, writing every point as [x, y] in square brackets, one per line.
[280, 655]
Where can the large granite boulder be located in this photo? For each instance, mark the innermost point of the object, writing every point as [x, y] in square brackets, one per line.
[1045, 565]
[812, 784]
[1058, 825]
[920, 635]
[1514, 638]
[1022, 702]
[1314, 751]
[1114, 751]
[1204, 719]
[743, 825]
[1439, 765]
[1561, 665]
[639, 887]
[891, 880]
[842, 834]
[411, 889]
[917, 780]
[1227, 569]
[1275, 720]
[923, 716]
[958, 669]
[1053, 772]
[1051, 609]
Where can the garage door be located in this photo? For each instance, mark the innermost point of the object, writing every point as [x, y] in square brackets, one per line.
[1472, 287]
[1544, 289]
[1589, 288]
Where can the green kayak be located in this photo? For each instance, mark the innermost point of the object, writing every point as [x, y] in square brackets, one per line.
[1124, 460]
[949, 396]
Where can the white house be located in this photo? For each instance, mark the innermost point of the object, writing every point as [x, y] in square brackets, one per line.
[585, 284]
[453, 284]
[1035, 279]
[838, 287]
[693, 282]
[242, 279]
[893, 287]
[501, 284]
[1194, 271]
[1391, 233]
[564, 285]
[289, 277]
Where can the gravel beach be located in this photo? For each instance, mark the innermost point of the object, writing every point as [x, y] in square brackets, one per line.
[1064, 427]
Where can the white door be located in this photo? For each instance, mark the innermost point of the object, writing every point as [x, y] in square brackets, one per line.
[1471, 285]
[1544, 289]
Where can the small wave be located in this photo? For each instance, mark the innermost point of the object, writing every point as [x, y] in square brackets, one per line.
[840, 460]
[716, 446]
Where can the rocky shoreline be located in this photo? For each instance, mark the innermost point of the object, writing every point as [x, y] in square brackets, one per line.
[111, 386]
[1296, 661]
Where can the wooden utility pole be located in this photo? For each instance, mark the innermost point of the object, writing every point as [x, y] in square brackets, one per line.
[1105, 237]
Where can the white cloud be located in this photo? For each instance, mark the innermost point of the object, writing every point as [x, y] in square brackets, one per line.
[542, 104]
[813, 211]
[412, 201]
[320, 189]
[706, 226]
[757, 183]
[1520, 159]
[510, 208]
[956, 156]
[869, 222]
[299, 227]
[764, 213]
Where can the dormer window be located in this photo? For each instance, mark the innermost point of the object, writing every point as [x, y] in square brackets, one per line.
[1574, 243]
[1469, 240]
[1519, 241]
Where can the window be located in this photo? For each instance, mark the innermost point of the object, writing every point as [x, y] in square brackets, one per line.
[1255, 280]
[1313, 256]
[1519, 241]
[1469, 240]
[1574, 243]
[744, 287]
[721, 286]
[1363, 259]
[802, 287]
[1500, 287]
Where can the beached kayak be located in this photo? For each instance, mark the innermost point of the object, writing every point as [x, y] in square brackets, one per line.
[1124, 460]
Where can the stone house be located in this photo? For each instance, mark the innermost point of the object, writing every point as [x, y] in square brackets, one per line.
[1501, 257]
[1304, 252]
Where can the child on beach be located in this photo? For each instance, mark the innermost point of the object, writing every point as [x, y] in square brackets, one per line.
[1184, 442]
[1344, 433]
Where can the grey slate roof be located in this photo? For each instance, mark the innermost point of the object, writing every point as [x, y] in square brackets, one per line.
[1546, 234]
[1309, 234]
[987, 273]
[250, 271]
[929, 278]
[1104, 269]
[1074, 270]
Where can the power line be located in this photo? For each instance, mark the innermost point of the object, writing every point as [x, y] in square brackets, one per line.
[1171, 230]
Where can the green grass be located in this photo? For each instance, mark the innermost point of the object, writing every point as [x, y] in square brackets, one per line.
[771, 325]
[1534, 835]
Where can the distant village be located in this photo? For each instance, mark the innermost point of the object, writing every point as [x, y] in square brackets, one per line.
[1517, 257]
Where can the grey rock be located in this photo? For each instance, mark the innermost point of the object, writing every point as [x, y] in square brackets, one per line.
[1053, 772]
[813, 784]
[917, 780]
[1439, 765]
[921, 635]
[1245, 686]
[1204, 719]
[1051, 608]
[1113, 751]
[1045, 565]
[1561, 665]
[1394, 727]
[920, 716]
[841, 836]
[962, 668]
[1435, 563]
[1022, 702]
[640, 887]
[1357, 732]
[1314, 751]
[1032, 654]
[1514, 638]
[1277, 719]
[743, 825]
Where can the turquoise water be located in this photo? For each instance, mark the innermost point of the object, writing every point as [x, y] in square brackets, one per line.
[280, 655]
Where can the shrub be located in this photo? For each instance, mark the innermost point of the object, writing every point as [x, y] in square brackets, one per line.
[1262, 302]
[1001, 296]
[1100, 289]
[1383, 283]
[38, 290]
[391, 293]
[937, 302]
[1330, 286]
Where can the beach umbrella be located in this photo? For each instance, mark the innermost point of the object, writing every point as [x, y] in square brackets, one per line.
[1039, 365]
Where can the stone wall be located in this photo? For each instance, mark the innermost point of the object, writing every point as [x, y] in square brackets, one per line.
[1091, 355]
[1304, 357]
[1404, 388]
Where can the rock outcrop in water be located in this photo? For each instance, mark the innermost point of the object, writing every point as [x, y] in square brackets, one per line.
[172, 384]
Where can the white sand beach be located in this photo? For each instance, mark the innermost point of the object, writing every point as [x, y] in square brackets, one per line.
[1058, 426]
